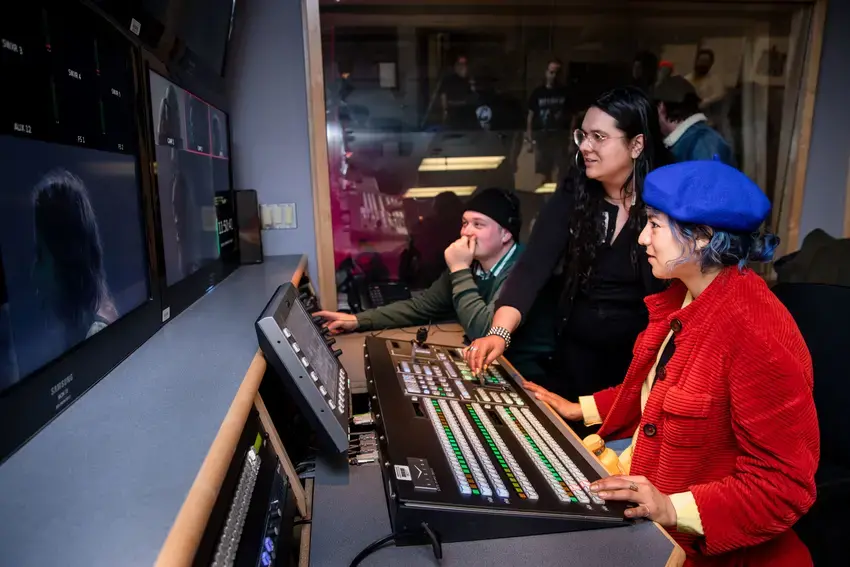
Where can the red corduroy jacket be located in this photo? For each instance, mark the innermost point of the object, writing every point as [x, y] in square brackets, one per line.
[730, 418]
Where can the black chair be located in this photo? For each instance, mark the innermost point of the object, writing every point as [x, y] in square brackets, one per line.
[822, 313]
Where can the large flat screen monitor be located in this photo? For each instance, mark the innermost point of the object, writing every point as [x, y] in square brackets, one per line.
[193, 177]
[72, 233]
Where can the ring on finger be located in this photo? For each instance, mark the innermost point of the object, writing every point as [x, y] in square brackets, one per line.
[473, 347]
[633, 487]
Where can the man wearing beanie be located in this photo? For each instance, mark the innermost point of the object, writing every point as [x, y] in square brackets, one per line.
[478, 263]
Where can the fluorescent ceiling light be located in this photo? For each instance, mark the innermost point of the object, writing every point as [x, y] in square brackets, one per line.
[546, 188]
[426, 192]
[466, 163]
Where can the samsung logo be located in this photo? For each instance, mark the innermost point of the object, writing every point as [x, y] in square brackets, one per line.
[61, 385]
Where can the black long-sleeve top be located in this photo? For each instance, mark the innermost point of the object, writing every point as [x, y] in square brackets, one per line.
[610, 277]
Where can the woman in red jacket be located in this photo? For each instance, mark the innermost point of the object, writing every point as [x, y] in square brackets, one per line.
[718, 399]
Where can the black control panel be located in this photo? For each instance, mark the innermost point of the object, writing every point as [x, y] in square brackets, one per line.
[300, 353]
[474, 460]
[251, 524]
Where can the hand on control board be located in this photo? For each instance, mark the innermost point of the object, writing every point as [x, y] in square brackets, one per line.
[482, 352]
[569, 410]
[651, 503]
[338, 322]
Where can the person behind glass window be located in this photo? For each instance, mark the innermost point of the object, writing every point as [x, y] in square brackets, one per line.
[455, 94]
[68, 272]
[710, 88]
[666, 69]
[688, 135]
[547, 123]
[718, 400]
[589, 228]
[645, 71]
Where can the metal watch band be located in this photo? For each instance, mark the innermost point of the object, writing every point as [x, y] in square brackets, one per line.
[501, 332]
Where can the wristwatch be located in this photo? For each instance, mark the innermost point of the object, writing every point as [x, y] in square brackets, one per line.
[501, 332]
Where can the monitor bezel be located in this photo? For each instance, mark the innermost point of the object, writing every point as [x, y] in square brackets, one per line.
[29, 405]
[179, 296]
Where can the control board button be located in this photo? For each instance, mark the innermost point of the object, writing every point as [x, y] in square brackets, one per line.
[323, 390]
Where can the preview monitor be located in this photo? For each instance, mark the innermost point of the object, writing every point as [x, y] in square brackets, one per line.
[73, 255]
[297, 351]
[193, 179]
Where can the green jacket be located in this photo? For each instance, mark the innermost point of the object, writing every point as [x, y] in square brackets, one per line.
[471, 300]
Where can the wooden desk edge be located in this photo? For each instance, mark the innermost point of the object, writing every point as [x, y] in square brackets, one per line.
[677, 554]
[299, 271]
[185, 535]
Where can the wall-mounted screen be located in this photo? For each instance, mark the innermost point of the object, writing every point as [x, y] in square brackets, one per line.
[193, 178]
[72, 238]
[75, 269]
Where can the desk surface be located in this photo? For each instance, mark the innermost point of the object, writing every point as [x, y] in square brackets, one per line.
[103, 483]
[350, 512]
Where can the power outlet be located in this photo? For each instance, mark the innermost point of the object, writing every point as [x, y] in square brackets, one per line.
[166, 314]
[278, 217]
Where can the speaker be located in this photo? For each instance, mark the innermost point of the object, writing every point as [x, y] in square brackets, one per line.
[248, 223]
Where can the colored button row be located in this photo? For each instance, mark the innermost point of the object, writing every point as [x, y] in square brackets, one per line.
[483, 457]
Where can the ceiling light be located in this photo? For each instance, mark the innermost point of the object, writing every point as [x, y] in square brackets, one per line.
[465, 163]
[426, 192]
[546, 188]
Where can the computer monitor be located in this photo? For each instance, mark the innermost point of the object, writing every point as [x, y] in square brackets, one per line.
[192, 153]
[296, 350]
[186, 178]
[75, 293]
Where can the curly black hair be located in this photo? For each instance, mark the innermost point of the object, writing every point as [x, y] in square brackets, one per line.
[635, 114]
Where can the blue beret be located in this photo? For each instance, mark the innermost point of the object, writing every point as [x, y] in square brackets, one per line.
[709, 193]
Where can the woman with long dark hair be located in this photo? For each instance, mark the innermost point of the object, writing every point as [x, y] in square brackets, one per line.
[588, 232]
[69, 273]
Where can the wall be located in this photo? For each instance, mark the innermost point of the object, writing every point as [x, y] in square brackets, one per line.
[826, 174]
[267, 91]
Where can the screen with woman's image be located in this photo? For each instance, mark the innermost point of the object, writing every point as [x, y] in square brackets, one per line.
[72, 240]
[73, 249]
[193, 169]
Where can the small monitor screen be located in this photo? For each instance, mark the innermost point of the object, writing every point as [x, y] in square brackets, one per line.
[193, 176]
[72, 240]
[313, 346]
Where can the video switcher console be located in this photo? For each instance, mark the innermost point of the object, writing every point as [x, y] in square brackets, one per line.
[474, 461]
[298, 350]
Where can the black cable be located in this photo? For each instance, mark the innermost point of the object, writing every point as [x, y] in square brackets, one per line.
[302, 522]
[436, 545]
[371, 548]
